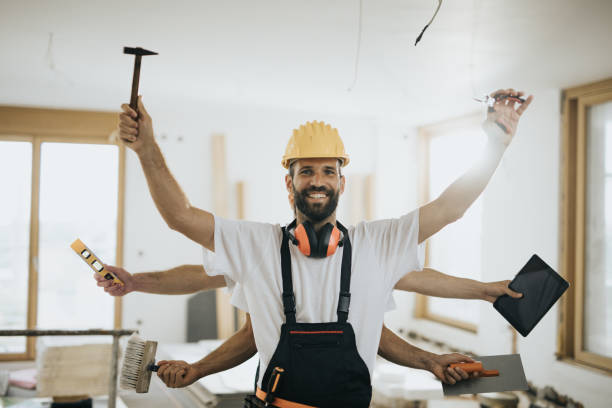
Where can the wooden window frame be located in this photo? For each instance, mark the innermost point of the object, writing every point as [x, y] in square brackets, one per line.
[425, 135]
[37, 126]
[573, 210]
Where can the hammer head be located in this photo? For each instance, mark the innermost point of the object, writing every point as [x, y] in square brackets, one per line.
[137, 51]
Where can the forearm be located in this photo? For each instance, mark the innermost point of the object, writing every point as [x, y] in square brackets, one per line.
[431, 282]
[234, 351]
[171, 201]
[396, 350]
[183, 279]
[460, 195]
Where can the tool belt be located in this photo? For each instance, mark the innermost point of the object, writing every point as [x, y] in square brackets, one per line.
[258, 400]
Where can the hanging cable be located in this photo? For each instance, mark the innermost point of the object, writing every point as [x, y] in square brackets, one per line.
[430, 21]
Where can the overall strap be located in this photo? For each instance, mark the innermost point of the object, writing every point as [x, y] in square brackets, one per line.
[288, 295]
[344, 299]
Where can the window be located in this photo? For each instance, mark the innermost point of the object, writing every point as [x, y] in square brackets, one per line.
[447, 150]
[586, 318]
[62, 180]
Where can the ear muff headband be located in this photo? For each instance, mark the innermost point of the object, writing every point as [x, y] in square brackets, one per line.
[320, 245]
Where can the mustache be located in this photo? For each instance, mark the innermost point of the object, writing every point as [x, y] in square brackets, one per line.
[321, 189]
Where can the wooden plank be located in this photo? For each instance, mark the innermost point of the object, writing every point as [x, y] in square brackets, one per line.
[580, 227]
[58, 122]
[225, 313]
[240, 214]
[33, 256]
[118, 320]
[565, 335]
[421, 306]
[71, 370]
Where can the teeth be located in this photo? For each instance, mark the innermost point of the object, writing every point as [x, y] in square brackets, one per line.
[317, 195]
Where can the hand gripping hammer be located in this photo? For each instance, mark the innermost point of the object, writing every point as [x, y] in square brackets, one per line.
[138, 52]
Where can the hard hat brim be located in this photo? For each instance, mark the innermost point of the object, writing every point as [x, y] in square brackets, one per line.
[286, 162]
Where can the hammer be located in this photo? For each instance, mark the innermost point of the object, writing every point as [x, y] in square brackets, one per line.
[138, 52]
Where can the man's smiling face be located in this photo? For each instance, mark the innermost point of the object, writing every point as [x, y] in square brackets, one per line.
[316, 185]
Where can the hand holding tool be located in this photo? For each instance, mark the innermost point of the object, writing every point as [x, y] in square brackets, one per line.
[138, 52]
[475, 367]
[138, 364]
[509, 376]
[490, 100]
[93, 261]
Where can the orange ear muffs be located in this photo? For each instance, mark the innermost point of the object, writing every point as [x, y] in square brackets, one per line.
[334, 240]
[318, 245]
[305, 235]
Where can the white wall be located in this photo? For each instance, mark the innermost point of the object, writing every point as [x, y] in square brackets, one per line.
[521, 217]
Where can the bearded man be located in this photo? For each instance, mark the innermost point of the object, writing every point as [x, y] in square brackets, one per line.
[316, 290]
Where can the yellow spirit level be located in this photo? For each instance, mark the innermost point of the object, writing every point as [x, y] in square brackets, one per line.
[93, 261]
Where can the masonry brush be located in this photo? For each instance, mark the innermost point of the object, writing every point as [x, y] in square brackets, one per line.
[138, 364]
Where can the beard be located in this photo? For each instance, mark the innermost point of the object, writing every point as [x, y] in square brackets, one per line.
[316, 211]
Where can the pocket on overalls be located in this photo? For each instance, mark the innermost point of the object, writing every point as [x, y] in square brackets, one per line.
[318, 357]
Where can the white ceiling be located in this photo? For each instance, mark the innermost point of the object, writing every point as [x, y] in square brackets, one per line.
[300, 54]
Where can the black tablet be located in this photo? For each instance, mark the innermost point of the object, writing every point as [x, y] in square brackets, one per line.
[540, 285]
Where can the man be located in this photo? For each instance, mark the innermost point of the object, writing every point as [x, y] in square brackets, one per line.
[317, 339]
[186, 279]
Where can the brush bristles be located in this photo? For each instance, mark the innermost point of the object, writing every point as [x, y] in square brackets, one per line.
[130, 370]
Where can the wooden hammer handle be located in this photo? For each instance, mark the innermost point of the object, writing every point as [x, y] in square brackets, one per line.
[135, 80]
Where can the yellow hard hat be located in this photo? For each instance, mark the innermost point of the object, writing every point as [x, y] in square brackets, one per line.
[314, 140]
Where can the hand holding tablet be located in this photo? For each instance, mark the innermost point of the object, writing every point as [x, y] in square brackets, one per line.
[541, 287]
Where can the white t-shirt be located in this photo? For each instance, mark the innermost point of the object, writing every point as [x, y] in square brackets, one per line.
[248, 255]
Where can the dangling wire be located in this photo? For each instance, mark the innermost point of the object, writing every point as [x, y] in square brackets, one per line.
[49, 53]
[430, 21]
[350, 88]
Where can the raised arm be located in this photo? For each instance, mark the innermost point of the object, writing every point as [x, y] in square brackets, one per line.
[180, 280]
[431, 282]
[397, 350]
[234, 351]
[500, 127]
[136, 132]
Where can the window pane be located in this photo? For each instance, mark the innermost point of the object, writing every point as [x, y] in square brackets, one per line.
[78, 199]
[456, 250]
[598, 243]
[16, 187]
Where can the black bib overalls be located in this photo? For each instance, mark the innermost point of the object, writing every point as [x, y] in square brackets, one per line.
[319, 364]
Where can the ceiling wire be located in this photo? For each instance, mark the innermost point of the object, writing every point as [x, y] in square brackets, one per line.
[50, 61]
[358, 52]
[49, 53]
[430, 21]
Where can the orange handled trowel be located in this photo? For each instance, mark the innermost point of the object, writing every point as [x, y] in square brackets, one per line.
[507, 376]
[476, 367]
